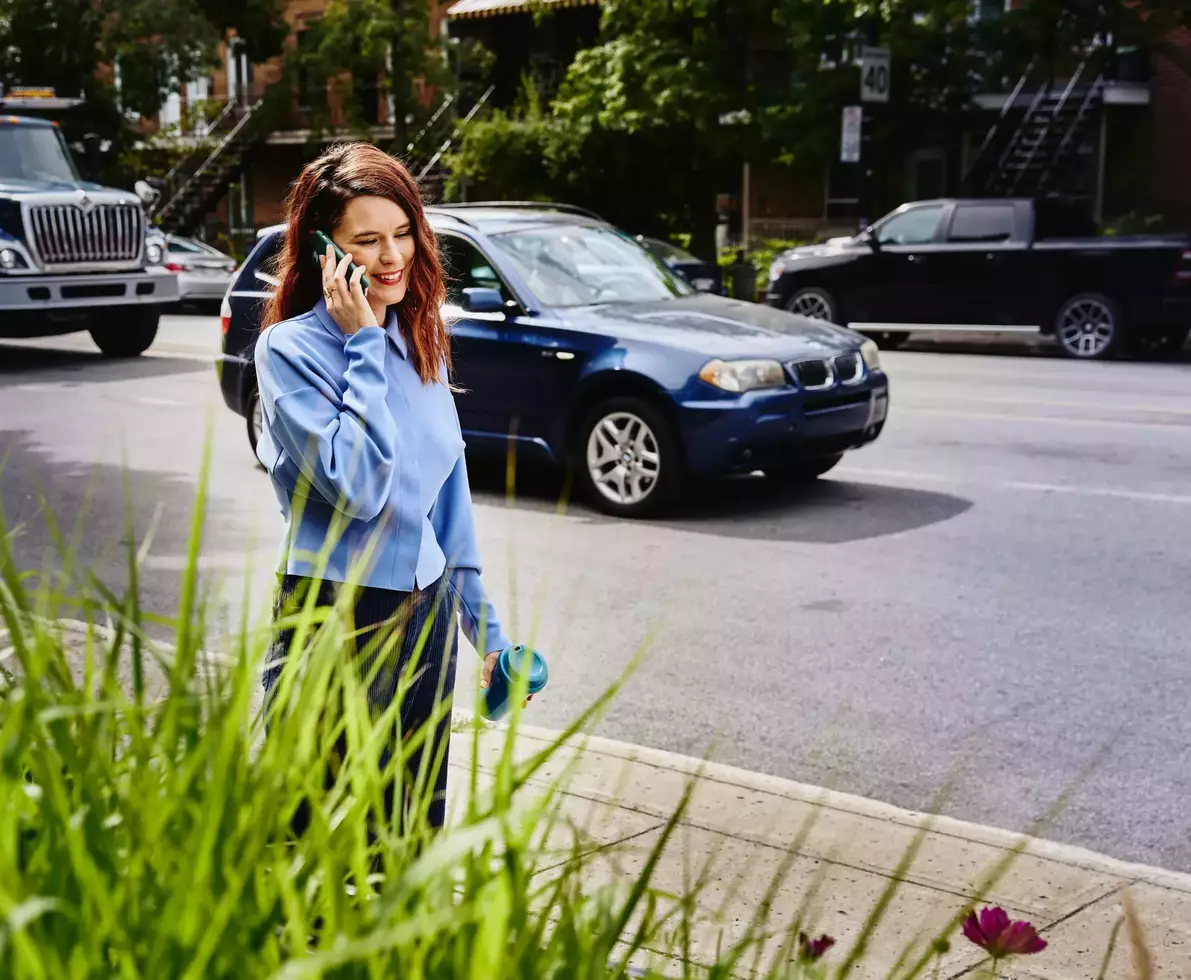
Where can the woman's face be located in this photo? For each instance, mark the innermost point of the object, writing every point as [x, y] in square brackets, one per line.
[378, 235]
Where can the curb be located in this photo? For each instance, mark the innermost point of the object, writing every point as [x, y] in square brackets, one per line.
[1065, 854]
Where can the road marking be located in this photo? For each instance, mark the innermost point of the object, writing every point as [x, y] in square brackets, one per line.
[1015, 400]
[1142, 495]
[1035, 419]
[1120, 493]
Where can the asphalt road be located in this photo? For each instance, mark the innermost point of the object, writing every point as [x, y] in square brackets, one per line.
[993, 598]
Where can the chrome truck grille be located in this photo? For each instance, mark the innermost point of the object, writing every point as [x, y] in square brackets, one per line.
[66, 233]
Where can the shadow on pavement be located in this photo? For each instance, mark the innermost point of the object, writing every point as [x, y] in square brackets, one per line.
[828, 511]
[36, 488]
[56, 366]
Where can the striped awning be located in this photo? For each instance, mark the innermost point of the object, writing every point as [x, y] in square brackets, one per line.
[463, 9]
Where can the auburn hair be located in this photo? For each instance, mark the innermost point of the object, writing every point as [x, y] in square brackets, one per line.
[317, 201]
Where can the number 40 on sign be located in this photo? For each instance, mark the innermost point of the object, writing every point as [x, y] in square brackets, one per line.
[874, 75]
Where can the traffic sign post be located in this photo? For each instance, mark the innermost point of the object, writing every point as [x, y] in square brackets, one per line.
[874, 75]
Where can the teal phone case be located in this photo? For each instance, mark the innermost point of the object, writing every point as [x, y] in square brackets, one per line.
[321, 241]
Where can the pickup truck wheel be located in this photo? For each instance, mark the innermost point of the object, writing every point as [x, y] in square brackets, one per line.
[125, 332]
[628, 459]
[815, 302]
[802, 470]
[1088, 327]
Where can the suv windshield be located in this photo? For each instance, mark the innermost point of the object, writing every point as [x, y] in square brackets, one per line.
[34, 153]
[583, 265]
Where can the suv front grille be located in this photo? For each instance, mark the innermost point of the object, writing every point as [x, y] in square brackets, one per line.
[65, 233]
[849, 368]
[814, 375]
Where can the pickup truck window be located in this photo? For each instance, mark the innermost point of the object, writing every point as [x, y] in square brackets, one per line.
[918, 226]
[34, 153]
[982, 223]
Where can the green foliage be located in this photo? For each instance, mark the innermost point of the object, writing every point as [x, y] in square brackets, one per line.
[1134, 224]
[655, 119]
[366, 48]
[760, 256]
[506, 155]
[157, 45]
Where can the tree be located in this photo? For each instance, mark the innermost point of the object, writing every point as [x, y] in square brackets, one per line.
[155, 46]
[365, 48]
[639, 129]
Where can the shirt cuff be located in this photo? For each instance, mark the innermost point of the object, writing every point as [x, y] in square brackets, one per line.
[477, 614]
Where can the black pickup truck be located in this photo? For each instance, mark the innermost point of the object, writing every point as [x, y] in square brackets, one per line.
[996, 266]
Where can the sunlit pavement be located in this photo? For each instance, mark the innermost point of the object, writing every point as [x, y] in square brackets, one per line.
[994, 592]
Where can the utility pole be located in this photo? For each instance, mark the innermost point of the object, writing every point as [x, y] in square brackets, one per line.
[875, 73]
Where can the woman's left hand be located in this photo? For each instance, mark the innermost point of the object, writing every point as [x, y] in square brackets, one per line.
[489, 666]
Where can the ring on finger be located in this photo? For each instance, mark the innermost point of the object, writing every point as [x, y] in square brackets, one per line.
[328, 291]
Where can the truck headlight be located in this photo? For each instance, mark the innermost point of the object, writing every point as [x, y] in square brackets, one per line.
[11, 259]
[871, 354]
[154, 253]
[741, 376]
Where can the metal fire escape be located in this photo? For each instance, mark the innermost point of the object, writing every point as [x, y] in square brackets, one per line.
[1050, 150]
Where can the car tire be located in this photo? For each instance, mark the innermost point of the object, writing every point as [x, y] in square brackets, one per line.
[125, 332]
[814, 302]
[1088, 327]
[803, 470]
[657, 472]
[252, 415]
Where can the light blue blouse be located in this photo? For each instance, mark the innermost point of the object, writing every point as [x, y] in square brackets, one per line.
[377, 459]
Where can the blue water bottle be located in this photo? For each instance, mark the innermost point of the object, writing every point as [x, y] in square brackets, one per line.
[511, 665]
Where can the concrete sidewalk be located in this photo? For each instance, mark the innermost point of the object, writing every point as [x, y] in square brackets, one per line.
[621, 796]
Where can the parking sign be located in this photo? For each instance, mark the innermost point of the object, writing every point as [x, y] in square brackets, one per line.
[849, 146]
[874, 75]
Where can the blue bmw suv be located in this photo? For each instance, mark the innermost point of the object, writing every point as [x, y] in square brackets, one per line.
[577, 344]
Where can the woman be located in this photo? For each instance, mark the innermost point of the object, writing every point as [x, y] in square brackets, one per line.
[360, 424]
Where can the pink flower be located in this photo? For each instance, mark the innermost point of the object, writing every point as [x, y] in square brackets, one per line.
[993, 932]
[810, 950]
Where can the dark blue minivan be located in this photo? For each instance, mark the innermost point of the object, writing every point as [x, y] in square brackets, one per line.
[580, 346]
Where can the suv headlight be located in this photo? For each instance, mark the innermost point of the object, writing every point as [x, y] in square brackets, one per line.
[11, 259]
[777, 270]
[741, 376]
[871, 354]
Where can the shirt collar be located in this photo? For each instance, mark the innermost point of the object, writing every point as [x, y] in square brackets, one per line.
[391, 327]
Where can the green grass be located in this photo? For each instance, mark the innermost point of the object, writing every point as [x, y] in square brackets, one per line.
[146, 829]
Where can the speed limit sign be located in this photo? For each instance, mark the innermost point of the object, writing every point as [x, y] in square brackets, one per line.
[874, 75]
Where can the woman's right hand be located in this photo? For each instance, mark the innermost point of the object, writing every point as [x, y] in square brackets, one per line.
[345, 298]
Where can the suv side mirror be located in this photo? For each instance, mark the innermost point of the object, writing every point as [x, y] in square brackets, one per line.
[871, 240]
[477, 299]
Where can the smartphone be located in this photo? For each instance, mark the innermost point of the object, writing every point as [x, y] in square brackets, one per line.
[321, 241]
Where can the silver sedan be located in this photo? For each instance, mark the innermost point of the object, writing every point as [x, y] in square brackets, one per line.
[204, 272]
